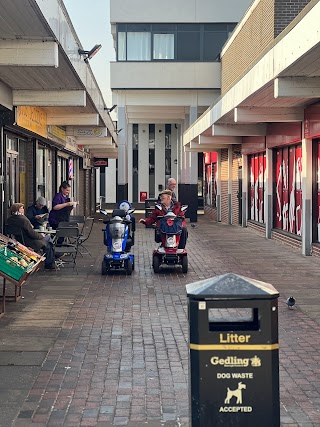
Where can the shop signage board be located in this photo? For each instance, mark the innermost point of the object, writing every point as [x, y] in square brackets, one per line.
[33, 119]
[87, 132]
[99, 161]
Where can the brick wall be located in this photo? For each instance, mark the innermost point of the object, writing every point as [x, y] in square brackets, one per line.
[285, 12]
[211, 212]
[254, 36]
[224, 185]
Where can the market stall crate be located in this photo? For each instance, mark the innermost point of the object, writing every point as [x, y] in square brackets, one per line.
[17, 264]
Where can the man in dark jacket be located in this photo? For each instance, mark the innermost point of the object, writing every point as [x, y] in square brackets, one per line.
[36, 211]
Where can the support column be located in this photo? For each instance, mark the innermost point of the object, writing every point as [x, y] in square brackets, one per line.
[188, 187]
[230, 150]
[245, 181]
[98, 195]
[122, 190]
[268, 199]
[219, 186]
[306, 197]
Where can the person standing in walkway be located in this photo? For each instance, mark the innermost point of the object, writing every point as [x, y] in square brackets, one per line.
[171, 185]
[61, 206]
[37, 212]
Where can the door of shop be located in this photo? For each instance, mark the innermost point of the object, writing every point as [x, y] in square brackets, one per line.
[240, 194]
[12, 181]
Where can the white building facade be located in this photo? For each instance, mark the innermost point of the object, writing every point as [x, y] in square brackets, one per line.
[166, 74]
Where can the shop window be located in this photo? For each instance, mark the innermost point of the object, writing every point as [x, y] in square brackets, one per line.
[257, 165]
[23, 172]
[288, 189]
[44, 177]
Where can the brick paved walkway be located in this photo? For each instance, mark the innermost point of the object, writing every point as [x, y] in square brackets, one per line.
[113, 350]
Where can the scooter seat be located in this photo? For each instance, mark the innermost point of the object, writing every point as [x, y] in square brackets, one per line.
[119, 212]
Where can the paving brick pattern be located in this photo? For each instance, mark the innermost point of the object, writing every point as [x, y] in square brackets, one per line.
[120, 356]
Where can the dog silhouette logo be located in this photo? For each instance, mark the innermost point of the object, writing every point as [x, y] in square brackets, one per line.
[237, 393]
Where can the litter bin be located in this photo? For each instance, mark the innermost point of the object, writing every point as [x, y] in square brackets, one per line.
[234, 352]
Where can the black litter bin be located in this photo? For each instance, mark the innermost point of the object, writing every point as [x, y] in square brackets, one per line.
[234, 352]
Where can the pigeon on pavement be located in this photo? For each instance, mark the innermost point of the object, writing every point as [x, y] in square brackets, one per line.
[290, 302]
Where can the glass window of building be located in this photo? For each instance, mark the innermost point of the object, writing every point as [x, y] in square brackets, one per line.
[163, 46]
[44, 176]
[169, 42]
[138, 46]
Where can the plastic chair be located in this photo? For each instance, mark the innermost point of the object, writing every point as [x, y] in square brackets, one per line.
[84, 236]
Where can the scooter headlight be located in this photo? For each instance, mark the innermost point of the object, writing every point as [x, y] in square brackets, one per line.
[171, 241]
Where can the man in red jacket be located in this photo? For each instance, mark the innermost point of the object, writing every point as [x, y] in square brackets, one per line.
[167, 205]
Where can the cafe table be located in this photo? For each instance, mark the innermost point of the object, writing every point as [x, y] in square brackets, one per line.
[50, 232]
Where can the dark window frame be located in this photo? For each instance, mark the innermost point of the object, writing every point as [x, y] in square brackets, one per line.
[155, 28]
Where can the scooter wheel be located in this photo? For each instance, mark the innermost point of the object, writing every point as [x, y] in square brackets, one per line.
[129, 267]
[104, 269]
[156, 264]
[184, 263]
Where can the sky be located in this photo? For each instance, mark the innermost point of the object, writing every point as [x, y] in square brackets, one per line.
[91, 20]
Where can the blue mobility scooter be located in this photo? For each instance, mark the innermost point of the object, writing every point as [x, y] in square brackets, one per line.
[119, 238]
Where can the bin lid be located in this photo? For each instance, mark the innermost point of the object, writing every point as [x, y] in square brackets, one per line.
[231, 286]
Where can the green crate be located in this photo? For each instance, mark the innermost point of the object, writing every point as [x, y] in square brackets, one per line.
[15, 271]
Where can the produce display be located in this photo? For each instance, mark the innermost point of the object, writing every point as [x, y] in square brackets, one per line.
[16, 260]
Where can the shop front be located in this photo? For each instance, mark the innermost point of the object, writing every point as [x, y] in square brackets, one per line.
[285, 141]
[255, 149]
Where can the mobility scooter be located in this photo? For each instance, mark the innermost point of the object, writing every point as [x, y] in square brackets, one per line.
[119, 238]
[168, 234]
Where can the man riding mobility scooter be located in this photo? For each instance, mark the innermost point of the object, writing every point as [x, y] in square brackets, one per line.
[119, 238]
[170, 232]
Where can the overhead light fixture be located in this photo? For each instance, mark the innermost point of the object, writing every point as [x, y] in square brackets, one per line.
[90, 53]
[110, 109]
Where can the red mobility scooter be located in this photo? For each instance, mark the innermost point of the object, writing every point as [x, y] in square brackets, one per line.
[168, 234]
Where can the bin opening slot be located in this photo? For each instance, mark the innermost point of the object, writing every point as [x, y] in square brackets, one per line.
[233, 319]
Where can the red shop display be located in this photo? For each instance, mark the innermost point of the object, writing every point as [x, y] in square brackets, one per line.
[257, 164]
[288, 196]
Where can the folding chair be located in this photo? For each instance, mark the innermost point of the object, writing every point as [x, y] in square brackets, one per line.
[15, 233]
[84, 236]
[62, 246]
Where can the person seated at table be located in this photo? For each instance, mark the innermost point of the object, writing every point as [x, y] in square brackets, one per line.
[36, 211]
[61, 206]
[37, 241]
